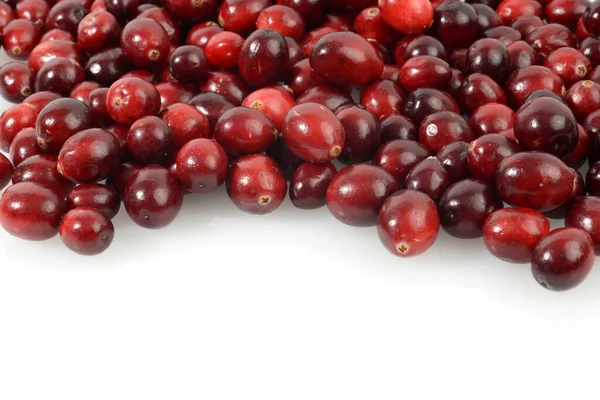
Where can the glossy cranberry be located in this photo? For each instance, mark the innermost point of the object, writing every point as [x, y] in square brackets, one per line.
[505, 34]
[490, 57]
[226, 84]
[171, 26]
[486, 16]
[188, 64]
[223, 49]
[527, 24]
[417, 20]
[592, 180]
[425, 72]
[590, 48]
[309, 185]
[430, 177]
[60, 120]
[401, 46]
[20, 37]
[399, 156]
[362, 132]
[536, 180]
[580, 32]
[41, 169]
[212, 105]
[57, 34]
[565, 12]
[303, 77]
[549, 38]
[129, 99]
[106, 66]
[397, 127]
[243, 131]
[579, 190]
[273, 103]
[35, 11]
[200, 34]
[442, 128]
[327, 96]
[59, 75]
[40, 100]
[256, 184]
[313, 133]
[123, 10]
[583, 98]
[66, 15]
[82, 90]
[478, 89]
[153, 197]
[510, 10]
[145, 43]
[455, 23]
[191, 11]
[97, 31]
[97, 103]
[522, 55]
[312, 37]
[454, 158]
[424, 45]
[86, 231]
[16, 81]
[172, 93]
[357, 192]
[283, 19]
[240, 16]
[425, 101]
[569, 64]
[591, 19]
[149, 140]
[369, 23]
[23, 146]
[584, 214]
[44, 52]
[186, 123]
[99, 197]
[201, 166]
[383, 98]
[119, 180]
[465, 206]
[491, 118]
[577, 157]
[30, 211]
[13, 120]
[563, 259]
[511, 234]
[523, 82]
[6, 171]
[486, 153]
[311, 10]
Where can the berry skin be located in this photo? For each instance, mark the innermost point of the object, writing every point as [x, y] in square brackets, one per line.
[407, 16]
[86, 231]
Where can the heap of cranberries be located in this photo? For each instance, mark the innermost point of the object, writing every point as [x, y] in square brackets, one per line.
[407, 115]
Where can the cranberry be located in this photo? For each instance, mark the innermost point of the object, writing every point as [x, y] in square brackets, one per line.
[304, 78]
[465, 206]
[478, 89]
[191, 10]
[200, 34]
[398, 157]
[523, 82]
[584, 98]
[23, 146]
[186, 123]
[97, 31]
[580, 32]
[153, 197]
[383, 98]
[408, 223]
[59, 75]
[44, 52]
[6, 14]
[188, 64]
[425, 101]
[124, 10]
[6, 171]
[256, 184]
[455, 23]
[491, 118]
[486, 16]
[592, 180]
[424, 45]
[99, 197]
[456, 81]
[486, 152]
[311, 10]
[14, 119]
[35, 11]
[129, 99]
[212, 105]
[521, 55]
[511, 234]
[458, 58]
[490, 57]
[397, 127]
[273, 103]
[430, 177]
[16, 81]
[122, 176]
[569, 64]
[243, 131]
[42, 169]
[357, 192]
[223, 49]
[86, 231]
[594, 74]
[312, 37]
[240, 16]
[226, 84]
[577, 157]
[425, 71]
[66, 15]
[369, 23]
[20, 37]
[590, 48]
[550, 37]
[442, 128]
[591, 19]
[510, 10]
[394, 13]
[145, 42]
[592, 127]
[453, 157]
[96, 101]
[345, 58]
[30, 211]
[171, 26]
[313, 133]
[309, 185]
[172, 93]
[57, 34]
[82, 90]
[149, 140]
[536, 180]
[563, 259]
[283, 19]
[527, 24]
[201, 166]
[505, 34]
[59, 120]
[106, 66]
[362, 133]
[565, 12]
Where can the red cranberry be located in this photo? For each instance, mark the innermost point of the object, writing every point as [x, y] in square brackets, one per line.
[442, 128]
[14, 119]
[20, 37]
[510, 10]
[129, 99]
[171, 26]
[312, 37]
[200, 34]
[42, 169]
[592, 180]
[35, 11]
[223, 49]
[395, 14]
[478, 89]
[106, 66]
[486, 152]
[357, 192]
[577, 157]
[425, 71]
[565, 12]
[202, 166]
[505, 34]
[99, 197]
[594, 74]
[123, 9]
[30, 211]
[16, 82]
[523, 82]
[186, 123]
[188, 64]
[40, 100]
[226, 84]
[408, 223]
[272, 102]
[60, 120]
[465, 206]
[580, 32]
[536, 180]
[456, 81]
[66, 15]
[337, 21]
[563, 259]
[23, 146]
[454, 23]
[569, 64]
[551, 37]
[283, 19]
[527, 24]
[362, 134]
[584, 214]
[97, 31]
[398, 157]
[522, 55]
[212, 105]
[44, 52]
[309, 185]
[172, 93]
[511, 234]
[6, 14]
[583, 98]
[458, 58]
[304, 78]
[256, 184]
[486, 16]
[383, 98]
[191, 10]
[240, 16]
[453, 157]
[430, 177]
[397, 127]
[491, 118]
[59, 75]
[145, 42]
[57, 34]
[243, 131]
[86, 231]
[97, 102]
[6, 171]
[82, 90]
[311, 10]
[122, 176]
[591, 19]
[153, 197]
[425, 101]
[313, 133]
[149, 140]
[267, 48]
[424, 45]
[490, 57]
[369, 23]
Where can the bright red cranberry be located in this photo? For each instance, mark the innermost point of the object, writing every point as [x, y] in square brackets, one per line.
[491, 118]
[97, 196]
[522, 55]
[478, 89]
[486, 152]
[527, 24]
[563, 259]
[549, 38]
[23, 146]
[383, 98]
[510, 10]
[191, 10]
[188, 64]
[345, 58]
[240, 16]
[30, 211]
[425, 71]
[536, 180]
[283, 19]
[362, 133]
[6, 171]
[42, 169]
[35, 11]
[408, 223]
[44, 52]
[186, 123]
[523, 82]
[223, 49]
[129, 99]
[454, 23]
[60, 120]
[82, 90]
[369, 23]
[398, 157]
[591, 19]
[145, 42]
[149, 140]
[13, 120]
[20, 37]
[397, 127]
[592, 180]
[16, 81]
[313, 133]
[86, 231]
[97, 31]
[273, 103]
[66, 15]
[511, 234]
[505, 34]
[59, 75]
[442, 128]
[243, 131]
[357, 192]
[583, 98]
[153, 197]
[430, 177]
[57, 34]
[425, 101]
[490, 57]
[569, 64]
[309, 185]
[395, 14]
[453, 157]
[465, 206]
[565, 12]
[202, 166]
[256, 184]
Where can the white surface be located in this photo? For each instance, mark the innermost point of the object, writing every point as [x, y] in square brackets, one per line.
[293, 305]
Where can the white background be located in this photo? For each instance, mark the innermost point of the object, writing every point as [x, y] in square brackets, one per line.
[293, 305]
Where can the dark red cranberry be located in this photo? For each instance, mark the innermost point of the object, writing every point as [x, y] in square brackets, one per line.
[458, 58]
[536, 180]
[186, 123]
[97, 196]
[327, 96]
[42, 169]
[309, 185]
[20, 37]
[226, 84]
[16, 81]
[153, 197]
[522, 55]
[454, 23]
[478, 89]
[430, 177]
[57, 34]
[338, 21]
[129, 99]
[44, 52]
[243, 131]
[397, 127]
[486, 17]
[202, 166]
[505, 34]
[35, 11]
[107, 66]
[577, 157]
[123, 10]
[565, 12]
[584, 214]
[383, 98]
[272, 102]
[97, 103]
[256, 184]
[311, 10]
[223, 49]
[549, 38]
[86, 231]
[362, 134]
[592, 180]
[188, 64]
[145, 43]
[191, 11]
[313, 133]
[511, 234]
[212, 105]
[510, 10]
[119, 180]
[97, 31]
[172, 93]
[523, 82]
[456, 81]
[453, 157]
[304, 78]
[285, 159]
[267, 48]
[590, 48]
[591, 19]
[594, 74]
[425, 71]
[580, 32]
[240, 16]
[442, 128]
[23, 146]
[527, 24]
[382, 51]
[398, 157]
[563, 259]
[6, 171]
[149, 140]
[171, 26]
[66, 15]
[465, 206]
[583, 98]
[60, 120]
[425, 101]
[401, 46]
[59, 75]
[569, 64]
[424, 45]
[543, 93]
[486, 153]
[490, 57]
[491, 118]
[592, 127]
[357, 192]
[30, 211]
[408, 223]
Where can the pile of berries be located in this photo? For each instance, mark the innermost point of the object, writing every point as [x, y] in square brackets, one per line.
[472, 116]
